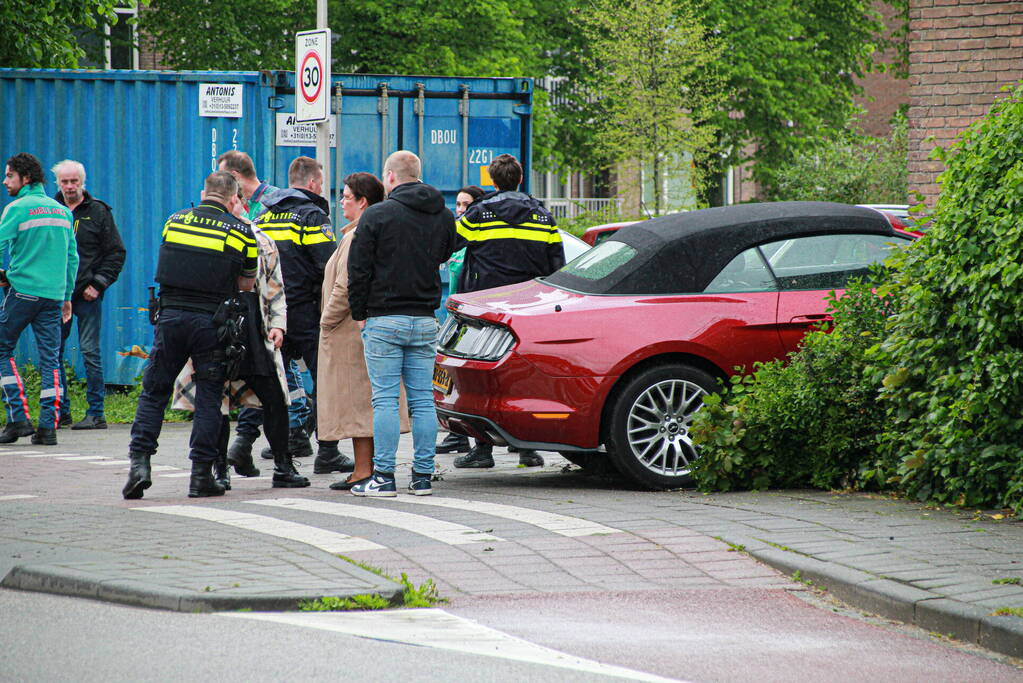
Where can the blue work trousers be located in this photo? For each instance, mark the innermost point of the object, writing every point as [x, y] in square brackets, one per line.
[18, 312]
[89, 315]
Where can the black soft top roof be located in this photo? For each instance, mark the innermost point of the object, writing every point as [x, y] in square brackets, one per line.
[683, 252]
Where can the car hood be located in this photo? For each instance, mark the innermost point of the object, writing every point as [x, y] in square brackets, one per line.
[532, 297]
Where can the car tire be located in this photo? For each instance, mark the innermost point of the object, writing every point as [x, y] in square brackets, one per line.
[649, 435]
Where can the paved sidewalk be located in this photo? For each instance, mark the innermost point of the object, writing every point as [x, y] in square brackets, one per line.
[945, 571]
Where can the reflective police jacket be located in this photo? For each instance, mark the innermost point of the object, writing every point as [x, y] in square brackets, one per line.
[204, 251]
[297, 220]
[509, 238]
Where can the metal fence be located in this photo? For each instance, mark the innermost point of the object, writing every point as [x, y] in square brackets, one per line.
[575, 206]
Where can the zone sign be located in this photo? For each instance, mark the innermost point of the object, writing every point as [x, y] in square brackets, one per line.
[312, 75]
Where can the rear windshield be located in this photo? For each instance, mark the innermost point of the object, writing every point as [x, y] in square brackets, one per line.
[596, 264]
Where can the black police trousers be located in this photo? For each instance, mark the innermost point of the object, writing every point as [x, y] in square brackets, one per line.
[179, 336]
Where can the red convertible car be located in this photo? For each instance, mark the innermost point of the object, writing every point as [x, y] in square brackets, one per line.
[610, 356]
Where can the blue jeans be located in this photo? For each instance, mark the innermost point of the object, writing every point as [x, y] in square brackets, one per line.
[251, 419]
[90, 318]
[401, 348]
[18, 312]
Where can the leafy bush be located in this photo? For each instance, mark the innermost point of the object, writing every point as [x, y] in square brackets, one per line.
[852, 168]
[952, 365]
[811, 422]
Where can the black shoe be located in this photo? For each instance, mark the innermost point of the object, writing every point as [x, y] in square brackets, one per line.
[454, 443]
[88, 422]
[45, 437]
[530, 458]
[298, 443]
[345, 484]
[480, 457]
[222, 473]
[202, 484]
[15, 430]
[330, 459]
[240, 455]
[285, 474]
[139, 477]
[65, 420]
[267, 453]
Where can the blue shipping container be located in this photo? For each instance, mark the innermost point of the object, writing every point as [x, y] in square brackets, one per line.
[149, 138]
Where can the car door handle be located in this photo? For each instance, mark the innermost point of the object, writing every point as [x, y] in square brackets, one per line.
[812, 318]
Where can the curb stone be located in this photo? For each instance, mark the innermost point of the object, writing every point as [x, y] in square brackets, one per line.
[65, 580]
[891, 599]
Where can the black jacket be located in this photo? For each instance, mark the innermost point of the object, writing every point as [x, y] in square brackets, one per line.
[510, 238]
[297, 220]
[393, 266]
[100, 249]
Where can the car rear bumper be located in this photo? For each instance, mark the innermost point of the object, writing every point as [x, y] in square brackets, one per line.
[511, 402]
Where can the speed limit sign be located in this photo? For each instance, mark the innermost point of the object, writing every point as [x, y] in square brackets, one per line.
[312, 75]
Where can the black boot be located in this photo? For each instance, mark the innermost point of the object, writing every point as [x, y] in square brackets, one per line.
[240, 455]
[330, 459]
[530, 458]
[298, 443]
[45, 437]
[454, 443]
[222, 472]
[202, 484]
[481, 456]
[285, 474]
[15, 430]
[139, 477]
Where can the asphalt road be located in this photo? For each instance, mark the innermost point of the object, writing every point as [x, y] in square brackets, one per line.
[547, 575]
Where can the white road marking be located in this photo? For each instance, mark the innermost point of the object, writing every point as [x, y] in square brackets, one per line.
[437, 629]
[176, 475]
[111, 462]
[445, 532]
[16, 497]
[329, 541]
[165, 468]
[82, 457]
[555, 523]
[37, 454]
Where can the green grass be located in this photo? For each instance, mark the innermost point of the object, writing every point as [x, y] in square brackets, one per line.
[424, 595]
[1009, 612]
[119, 405]
[1011, 580]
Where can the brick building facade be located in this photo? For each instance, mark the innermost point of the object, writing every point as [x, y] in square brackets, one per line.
[961, 54]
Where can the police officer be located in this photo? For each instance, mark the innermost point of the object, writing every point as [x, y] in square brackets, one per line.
[207, 255]
[297, 219]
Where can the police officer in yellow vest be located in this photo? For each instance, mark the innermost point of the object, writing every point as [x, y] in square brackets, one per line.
[207, 255]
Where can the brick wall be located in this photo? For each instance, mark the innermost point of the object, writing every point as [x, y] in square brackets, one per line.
[883, 91]
[962, 52]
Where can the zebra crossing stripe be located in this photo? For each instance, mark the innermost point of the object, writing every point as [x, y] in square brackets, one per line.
[82, 457]
[329, 541]
[16, 497]
[435, 628]
[549, 521]
[439, 530]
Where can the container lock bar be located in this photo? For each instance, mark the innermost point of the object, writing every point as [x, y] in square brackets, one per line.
[420, 110]
[463, 111]
[382, 108]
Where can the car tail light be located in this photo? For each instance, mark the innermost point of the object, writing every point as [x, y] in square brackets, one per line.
[475, 339]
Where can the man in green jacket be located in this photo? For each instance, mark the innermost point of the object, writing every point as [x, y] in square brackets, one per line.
[38, 233]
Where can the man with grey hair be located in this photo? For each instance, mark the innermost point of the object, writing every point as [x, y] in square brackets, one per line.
[393, 289]
[100, 260]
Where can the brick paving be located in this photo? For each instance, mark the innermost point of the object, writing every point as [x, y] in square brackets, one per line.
[935, 568]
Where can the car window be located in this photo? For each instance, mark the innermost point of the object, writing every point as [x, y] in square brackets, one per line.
[826, 261]
[600, 261]
[601, 236]
[745, 273]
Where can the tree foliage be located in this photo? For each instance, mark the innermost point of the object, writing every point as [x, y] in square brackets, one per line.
[41, 34]
[849, 167]
[952, 366]
[790, 69]
[654, 68]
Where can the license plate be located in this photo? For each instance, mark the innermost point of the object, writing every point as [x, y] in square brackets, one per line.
[441, 380]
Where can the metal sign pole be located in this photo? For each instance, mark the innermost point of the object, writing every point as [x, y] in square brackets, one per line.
[323, 128]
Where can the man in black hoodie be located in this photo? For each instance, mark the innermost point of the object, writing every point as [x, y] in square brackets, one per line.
[510, 238]
[298, 220]
[393, 288]
[100, 259]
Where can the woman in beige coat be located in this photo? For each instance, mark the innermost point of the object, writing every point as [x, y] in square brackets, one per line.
[343, 403]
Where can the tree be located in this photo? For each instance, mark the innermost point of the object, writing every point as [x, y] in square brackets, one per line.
[850, 168]
[653, 66]
[790, 68]
[41, 34]
[417, 37]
